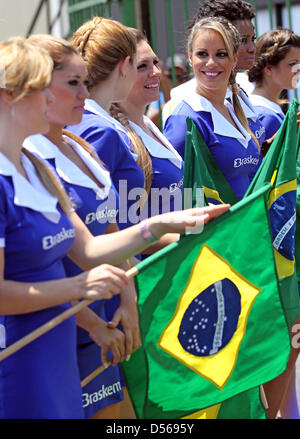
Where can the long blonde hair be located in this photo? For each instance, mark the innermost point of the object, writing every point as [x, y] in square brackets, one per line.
[231, 38]
[59, 50]
[28, 68]
[50, 181]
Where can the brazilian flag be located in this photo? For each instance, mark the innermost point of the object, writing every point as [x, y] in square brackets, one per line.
[201, 171]
[297, 239]
[211, 320]
[279, 168]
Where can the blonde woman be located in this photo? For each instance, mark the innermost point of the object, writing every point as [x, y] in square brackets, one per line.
[212, 47]
[42, 379]
[38, 227]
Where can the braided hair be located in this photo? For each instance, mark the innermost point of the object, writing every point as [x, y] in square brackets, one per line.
[103, 43]
[144, 159]
[271, 48]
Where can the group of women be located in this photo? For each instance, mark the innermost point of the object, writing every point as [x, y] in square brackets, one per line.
[90, 186]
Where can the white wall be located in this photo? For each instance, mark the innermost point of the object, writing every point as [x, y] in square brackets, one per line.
[17, 15]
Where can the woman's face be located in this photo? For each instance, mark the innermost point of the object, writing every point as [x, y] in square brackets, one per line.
[31, 112]
[69, 87]
[286, 73]
[146, 87]
[247, 49]
[210, 61]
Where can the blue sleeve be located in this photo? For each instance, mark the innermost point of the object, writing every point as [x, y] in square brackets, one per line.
[109, 146]
[175, 131]
[271, 124]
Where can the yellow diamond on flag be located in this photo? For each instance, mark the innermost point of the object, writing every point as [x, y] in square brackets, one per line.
[208, 413]
[210, 319]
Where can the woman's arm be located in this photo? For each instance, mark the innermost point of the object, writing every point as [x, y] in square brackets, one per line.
[165, 240]
[20, 297]
[114, 248]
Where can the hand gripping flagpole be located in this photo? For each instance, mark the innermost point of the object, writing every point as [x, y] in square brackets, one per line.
[53, 322]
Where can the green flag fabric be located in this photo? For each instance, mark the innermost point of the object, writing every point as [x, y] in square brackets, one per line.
[208, 313]
[297, 236]
[280, 168]
[201, 171]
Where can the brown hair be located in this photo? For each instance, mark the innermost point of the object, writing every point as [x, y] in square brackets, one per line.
[271, 48]
[144, 159]
[58, 48]
[85, 145]
[103, 43]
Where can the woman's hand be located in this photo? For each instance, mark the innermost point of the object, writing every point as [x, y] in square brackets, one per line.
[185, 221]
[127, 316]
[102, 282]
[109, 339]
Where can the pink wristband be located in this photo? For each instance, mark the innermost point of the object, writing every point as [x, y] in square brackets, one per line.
[146, 234]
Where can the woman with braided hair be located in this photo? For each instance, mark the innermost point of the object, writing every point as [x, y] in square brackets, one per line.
[212, 46]
[108, 49]
[276, 68]
[164, 167]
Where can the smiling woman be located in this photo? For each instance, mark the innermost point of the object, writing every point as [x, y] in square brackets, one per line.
[161, 164]
[212, 61]
[213, 45]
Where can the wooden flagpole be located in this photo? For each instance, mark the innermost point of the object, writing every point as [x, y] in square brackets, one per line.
[93, 375]
[52, 323]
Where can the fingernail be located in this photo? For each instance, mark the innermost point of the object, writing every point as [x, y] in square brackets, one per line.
[105, 365]
[128, 357]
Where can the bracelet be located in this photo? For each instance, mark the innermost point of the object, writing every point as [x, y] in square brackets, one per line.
[146, 233]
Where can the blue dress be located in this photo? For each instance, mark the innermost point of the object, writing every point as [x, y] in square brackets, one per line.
[41, 380]
[189, 88]
[97, 207]
[234, 150]
[269, 114]
[167, 172]
[111, 143]
[250, 112]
